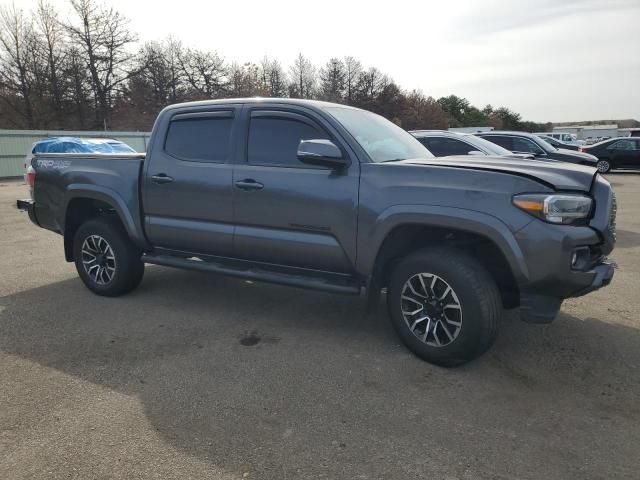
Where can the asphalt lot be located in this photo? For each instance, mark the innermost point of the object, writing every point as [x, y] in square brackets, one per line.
[197, 376]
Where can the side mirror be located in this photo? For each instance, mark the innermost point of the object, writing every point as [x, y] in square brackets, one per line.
[321, 152]
[475, 152]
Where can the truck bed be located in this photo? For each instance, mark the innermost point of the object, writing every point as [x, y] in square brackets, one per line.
[63, 177]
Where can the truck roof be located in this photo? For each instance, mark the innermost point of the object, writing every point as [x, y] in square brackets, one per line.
[256, 100]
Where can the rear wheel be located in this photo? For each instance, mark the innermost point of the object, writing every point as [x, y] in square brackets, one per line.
[444, 305]
[107, 261]
[603, 166]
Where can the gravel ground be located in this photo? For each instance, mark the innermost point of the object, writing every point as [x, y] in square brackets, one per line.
[197, 376]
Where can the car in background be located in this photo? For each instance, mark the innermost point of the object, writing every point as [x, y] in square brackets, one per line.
[564, 137]
[621, 152]
[521, 142]
[557, 143]
[73, 145]
[442, 143]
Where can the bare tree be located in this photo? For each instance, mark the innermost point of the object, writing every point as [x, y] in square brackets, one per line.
[369, 85]
[333, 80]
[244, 80]
[205, 72]
[86, 74]
[173, 51]
[103, 35]
[75, 73]
[17, 45]
[155, 76]
[353, 68]
[52, 38]
[273, 78]
[302, 78]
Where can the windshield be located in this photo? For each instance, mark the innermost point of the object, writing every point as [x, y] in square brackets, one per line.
[551, 141]
[382, 140]
[546, 146]
[486, 145]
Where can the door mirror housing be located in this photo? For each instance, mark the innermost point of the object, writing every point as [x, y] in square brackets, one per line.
[475, 152]
[321, 152]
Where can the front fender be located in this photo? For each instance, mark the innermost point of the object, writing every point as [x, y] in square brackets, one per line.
[369, 243]
[128, 214]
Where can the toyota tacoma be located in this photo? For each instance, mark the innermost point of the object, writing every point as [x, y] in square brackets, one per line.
[324, 196]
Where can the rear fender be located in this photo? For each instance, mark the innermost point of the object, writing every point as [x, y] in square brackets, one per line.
[130, 219]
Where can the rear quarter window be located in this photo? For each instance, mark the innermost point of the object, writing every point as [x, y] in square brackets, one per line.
[200, 138]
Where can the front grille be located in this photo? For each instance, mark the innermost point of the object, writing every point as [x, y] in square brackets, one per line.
[612, 216]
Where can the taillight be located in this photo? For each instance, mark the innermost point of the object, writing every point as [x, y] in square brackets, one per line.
[31, 177]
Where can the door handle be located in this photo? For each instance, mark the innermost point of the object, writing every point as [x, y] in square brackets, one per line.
[249, 184]
[161, 178]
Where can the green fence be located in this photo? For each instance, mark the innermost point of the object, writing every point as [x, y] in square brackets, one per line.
[15, 144]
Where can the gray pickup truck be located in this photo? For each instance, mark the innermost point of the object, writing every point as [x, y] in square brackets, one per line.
[326, 196]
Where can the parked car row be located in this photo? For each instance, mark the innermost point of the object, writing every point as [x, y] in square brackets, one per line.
[442, 143]
[503, 144]
[622, 152]
[615, 153]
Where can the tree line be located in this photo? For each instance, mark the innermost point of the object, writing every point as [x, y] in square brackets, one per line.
[90, 72]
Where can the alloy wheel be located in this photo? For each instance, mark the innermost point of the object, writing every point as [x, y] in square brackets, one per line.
[431, 309]
[98, 259]
[603, 166]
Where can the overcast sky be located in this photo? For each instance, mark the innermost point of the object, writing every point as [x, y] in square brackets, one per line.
[550, 60]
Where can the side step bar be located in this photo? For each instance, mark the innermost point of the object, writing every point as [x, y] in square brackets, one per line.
[251, 272]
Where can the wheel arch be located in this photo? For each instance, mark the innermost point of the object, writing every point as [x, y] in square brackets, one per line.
[84, 202]
[485, 237]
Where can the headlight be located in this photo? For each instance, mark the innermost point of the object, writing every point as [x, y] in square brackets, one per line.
[556, 208]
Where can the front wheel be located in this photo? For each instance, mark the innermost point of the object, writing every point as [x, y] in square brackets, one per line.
[107, 261]
[603, 166]
[444, 306]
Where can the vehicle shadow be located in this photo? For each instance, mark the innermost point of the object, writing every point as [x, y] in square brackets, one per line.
[627, 239]
[299, 384]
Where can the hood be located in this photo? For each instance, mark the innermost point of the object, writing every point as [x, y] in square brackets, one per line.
[558, 175]
[525, 156]
[580, 155]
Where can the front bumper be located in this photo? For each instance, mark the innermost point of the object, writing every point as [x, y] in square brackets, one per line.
[544, 306]
[29, 207]
[603, 276]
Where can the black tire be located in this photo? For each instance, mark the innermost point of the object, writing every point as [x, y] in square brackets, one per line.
[473, 289]
[128, 268]
[603, 166]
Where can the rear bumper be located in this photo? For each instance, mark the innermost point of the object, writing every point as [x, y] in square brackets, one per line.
[29, 207]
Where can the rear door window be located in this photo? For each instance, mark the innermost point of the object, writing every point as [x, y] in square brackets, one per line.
[525, 145]
[623, 145]
[200, 137]
[503, 141]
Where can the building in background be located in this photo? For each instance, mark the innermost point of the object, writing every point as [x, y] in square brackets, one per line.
[584, 132]
[629, 132]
